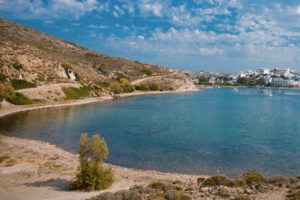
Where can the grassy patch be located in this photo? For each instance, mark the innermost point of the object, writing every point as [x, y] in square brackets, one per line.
[218, 181]
[148, 86]
[66, 66]
[127, 88]
[254, 178]
[77, 93]
[20, 99]
[158, 186]
[148, 72]
[103, 84]
[21, 84]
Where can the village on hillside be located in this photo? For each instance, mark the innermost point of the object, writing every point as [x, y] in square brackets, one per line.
[260, 77]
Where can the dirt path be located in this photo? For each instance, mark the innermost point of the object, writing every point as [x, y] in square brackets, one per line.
[50, 86]
[136, 82]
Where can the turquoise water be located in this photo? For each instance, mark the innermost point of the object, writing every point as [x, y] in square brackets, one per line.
[208, 132]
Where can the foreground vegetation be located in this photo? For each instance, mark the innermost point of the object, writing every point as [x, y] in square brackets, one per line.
[91, 173]
[8, 93]
[245, 187]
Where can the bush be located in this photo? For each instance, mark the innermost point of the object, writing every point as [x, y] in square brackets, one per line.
[6, 92]
[279, 181]
[20, 99]
[120, 195]
[115, 88]
[2, 78]
[148, 72]
[154, 86]
[142, 87]
[91, 174]
[21, 84]
[253, 178]
[103, 84]
[127, 88]
[77, 93]
[158, 186]
[218, 181]
[66, 66]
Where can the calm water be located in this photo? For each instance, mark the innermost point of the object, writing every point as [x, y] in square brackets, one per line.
[213, 131]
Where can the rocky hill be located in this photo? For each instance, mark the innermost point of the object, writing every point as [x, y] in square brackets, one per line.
[41, 59]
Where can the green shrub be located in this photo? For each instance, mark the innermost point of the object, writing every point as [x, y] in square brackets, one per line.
[77, 93]
[3, 158]
[127, 88]
[90, 55]
[115, 88]
[158, 186]
[148, 86]
[2, 78]
[20, 99]
[17, 66]
[103, 84]
[6, 92]
[21, 84]
[218, 181]
[253, 178]
[142, 87]
[91, 174]
[66, 66]
[148, 72]
[154, 86]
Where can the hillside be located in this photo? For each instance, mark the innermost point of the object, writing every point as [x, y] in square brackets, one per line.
[41, 59]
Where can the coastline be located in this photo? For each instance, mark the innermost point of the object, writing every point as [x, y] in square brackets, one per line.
[35, 169]
[13, 109]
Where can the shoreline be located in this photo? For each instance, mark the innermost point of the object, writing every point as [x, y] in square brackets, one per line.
[13, 109]
[36, 169]
[49, 174]
[231, 87]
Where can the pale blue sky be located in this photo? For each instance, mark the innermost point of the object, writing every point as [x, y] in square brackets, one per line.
[215, 35]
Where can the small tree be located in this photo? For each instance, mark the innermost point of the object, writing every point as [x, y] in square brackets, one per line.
[91, 174]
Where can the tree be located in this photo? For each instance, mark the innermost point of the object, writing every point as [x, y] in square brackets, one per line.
[260, 81]
[203, 80]
[6, 92]
[243, 81]
[91, 173]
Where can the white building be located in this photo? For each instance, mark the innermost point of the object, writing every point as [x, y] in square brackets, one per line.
[279, 82]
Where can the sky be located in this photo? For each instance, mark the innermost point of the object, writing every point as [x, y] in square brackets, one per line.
[211, 35]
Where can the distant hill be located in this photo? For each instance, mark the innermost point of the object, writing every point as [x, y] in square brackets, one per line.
[43, 59]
